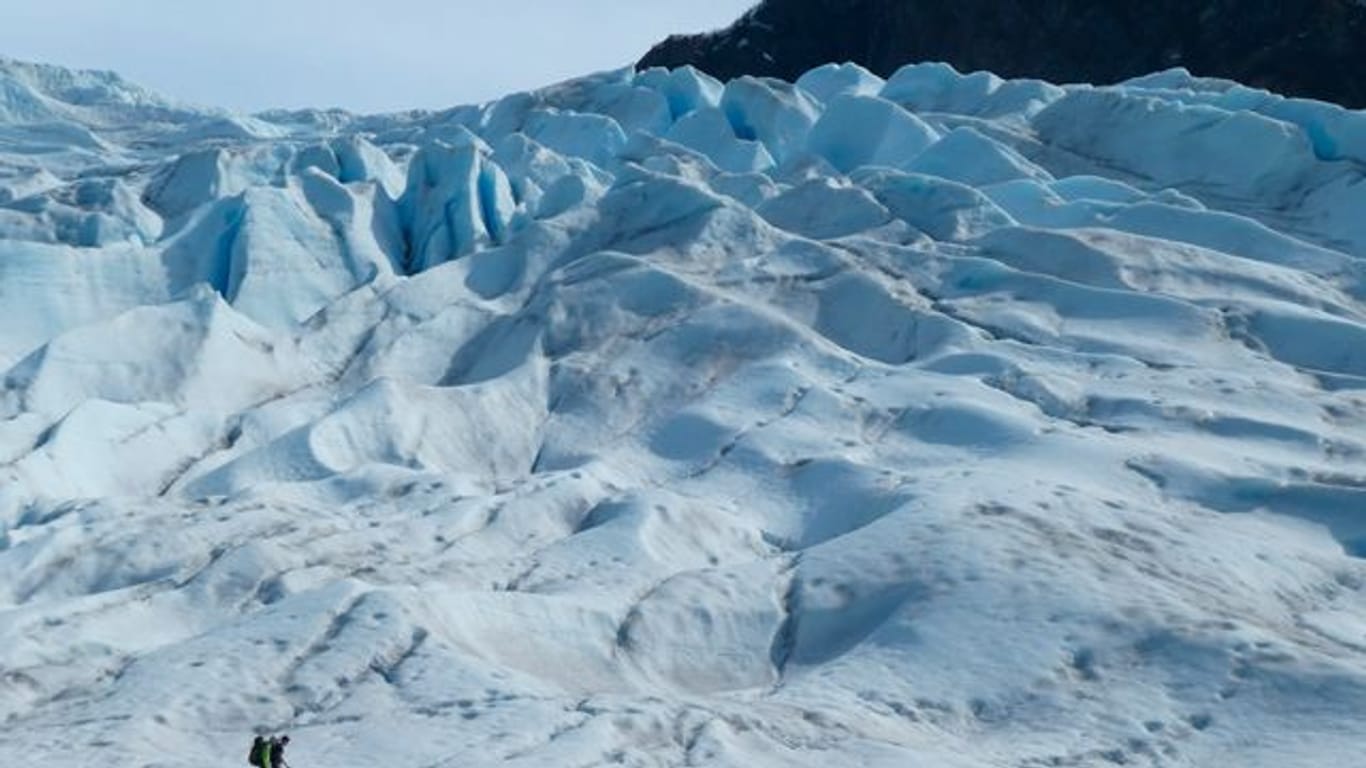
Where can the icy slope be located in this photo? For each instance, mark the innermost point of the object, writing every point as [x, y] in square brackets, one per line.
[655, 421]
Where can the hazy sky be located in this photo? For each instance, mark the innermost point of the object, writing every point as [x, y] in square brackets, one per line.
[364, 55]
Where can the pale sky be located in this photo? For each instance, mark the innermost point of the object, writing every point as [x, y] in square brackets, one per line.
[366, 56]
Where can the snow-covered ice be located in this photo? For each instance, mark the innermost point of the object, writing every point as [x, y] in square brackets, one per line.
[649, 420]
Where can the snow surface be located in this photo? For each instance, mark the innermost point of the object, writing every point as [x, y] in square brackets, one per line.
[648, 420]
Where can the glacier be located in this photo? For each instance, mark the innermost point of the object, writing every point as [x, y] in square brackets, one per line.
[651, 420]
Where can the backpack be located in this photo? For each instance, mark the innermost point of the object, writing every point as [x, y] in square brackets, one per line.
[257, 754]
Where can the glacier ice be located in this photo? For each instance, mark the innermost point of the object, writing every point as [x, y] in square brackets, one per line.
[856, 131]
[651, 420]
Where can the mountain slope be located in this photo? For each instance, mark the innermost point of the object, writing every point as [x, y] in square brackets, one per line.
[656, 421]
[1300, 49]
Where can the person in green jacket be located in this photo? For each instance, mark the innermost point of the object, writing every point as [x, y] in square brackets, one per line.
[269, 753]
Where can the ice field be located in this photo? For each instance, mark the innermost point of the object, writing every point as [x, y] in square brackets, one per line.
[649, 420]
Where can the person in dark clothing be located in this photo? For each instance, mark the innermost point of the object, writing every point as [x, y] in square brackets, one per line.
[277, 752]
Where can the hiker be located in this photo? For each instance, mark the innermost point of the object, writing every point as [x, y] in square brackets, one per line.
[260, 752]
[268, 753]
[277, 752]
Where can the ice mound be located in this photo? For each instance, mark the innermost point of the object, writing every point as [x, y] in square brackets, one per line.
[653, 420]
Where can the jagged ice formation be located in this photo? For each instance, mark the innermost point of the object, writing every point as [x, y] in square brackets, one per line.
[656, 421]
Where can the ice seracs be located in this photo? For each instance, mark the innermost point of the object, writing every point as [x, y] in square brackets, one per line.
[652, 420]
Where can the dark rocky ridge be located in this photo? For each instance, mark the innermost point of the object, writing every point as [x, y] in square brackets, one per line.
[1308, 48]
